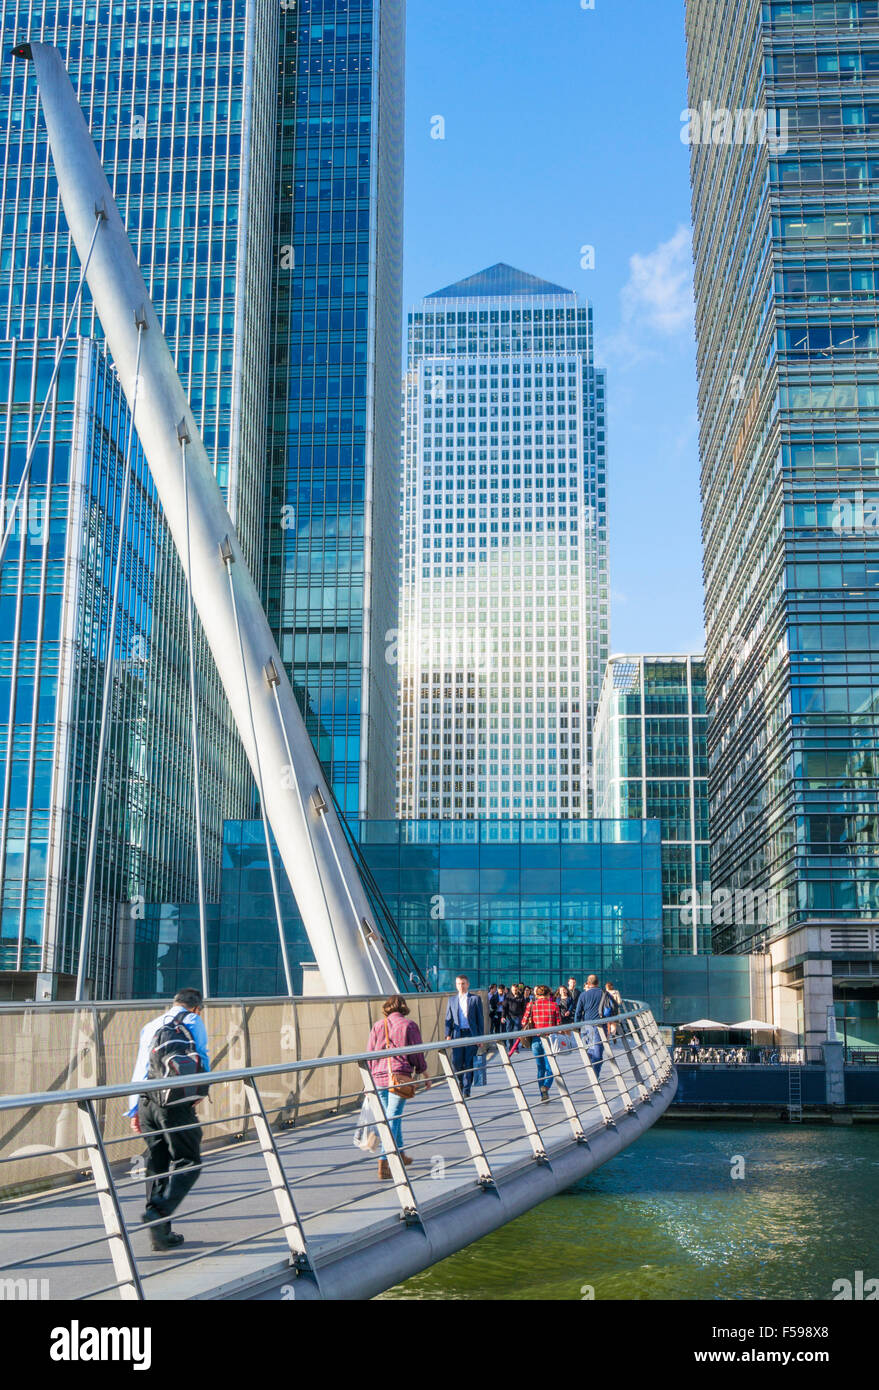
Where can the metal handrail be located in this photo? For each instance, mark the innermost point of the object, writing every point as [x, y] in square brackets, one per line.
[216, 1078]
[637, 1064]
[227, 1001]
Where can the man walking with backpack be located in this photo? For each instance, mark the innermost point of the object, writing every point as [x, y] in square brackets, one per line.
[172, 1045]
[590, 1007]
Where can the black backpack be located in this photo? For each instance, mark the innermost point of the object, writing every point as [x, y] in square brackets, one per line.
[609, 1006]
[173, 1053]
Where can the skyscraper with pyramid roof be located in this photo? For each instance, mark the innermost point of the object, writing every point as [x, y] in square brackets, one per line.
[504, 607]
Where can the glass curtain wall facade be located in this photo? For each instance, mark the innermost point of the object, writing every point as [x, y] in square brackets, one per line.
[501, 900]
[786, 285]
[504, 608]
[178, 97]
[55, 595]
[332, 494]
[651, 762]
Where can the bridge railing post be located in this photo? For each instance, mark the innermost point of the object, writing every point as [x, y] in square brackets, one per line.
[294, 1231]
[631, 1046]
[405, 1192]
[534, 1136]
[119, 1241]
[659, 1055]
[654, 1048]
[484, 1175]
[597, 1089]
[609, 1061]
[568, 1105]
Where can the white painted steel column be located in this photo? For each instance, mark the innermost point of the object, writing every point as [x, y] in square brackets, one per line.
[322, 872]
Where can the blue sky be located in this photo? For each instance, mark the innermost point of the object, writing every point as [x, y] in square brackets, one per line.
[562, 130]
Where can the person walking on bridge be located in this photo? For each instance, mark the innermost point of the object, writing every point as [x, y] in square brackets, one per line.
[589, 1007]
[495, 1008]
[464, 1020]
[612, 1004]
[514, 1008]
[175, 1043]
[542, 1012]
[589, 1003]
[566, 1014]
[394, 1077]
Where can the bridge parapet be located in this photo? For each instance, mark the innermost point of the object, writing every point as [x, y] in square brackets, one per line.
[286, 1206]
[65, 1046]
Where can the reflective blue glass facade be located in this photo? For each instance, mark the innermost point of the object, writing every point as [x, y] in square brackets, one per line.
[164, 953]
[177, 97]
[787, 286]
[55, 592]
[277, 283]
[651, 762]
[525, 900]
[332, 508]
[501, 900]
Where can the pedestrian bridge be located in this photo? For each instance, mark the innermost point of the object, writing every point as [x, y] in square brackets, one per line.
[286, 1206]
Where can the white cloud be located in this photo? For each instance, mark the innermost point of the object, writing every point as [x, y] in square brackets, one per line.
[659, 292]
[656, 302]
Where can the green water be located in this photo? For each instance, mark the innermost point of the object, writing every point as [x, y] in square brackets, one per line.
[666, 1220]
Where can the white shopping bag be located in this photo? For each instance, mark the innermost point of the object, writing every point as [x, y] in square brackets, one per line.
[365, 1133]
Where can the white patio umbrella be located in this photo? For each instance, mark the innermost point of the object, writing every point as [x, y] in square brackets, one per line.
[753, 1025]
[703, 1025]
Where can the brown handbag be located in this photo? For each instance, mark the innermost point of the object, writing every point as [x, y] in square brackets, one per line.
[404, 1089]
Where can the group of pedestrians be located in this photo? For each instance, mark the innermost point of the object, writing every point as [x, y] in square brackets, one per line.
[518, 1009]
[593, 1006]
[507, 1004]
[175, 1045]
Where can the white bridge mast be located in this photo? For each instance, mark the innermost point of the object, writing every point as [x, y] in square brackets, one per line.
[329, 893]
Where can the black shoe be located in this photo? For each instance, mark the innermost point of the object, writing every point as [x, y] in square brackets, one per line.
[544, 1094]
[171, 1241]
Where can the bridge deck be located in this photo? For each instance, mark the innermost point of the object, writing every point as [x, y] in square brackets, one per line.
[344, 1208]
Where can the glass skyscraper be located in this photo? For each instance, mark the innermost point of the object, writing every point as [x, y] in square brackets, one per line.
[54, 604]
[504, 608]
[784, 129]
[177, 97]
[651, 762]
[332, 508]
[255, 153]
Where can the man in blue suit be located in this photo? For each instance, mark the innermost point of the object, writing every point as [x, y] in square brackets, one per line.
[464, 1020]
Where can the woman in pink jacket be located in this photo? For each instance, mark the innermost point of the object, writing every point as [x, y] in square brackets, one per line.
[396, 1029]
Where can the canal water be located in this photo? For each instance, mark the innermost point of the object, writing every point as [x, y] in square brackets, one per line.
[692, 1211]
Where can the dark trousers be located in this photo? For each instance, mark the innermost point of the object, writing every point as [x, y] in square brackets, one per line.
[463, 1059]
[174, 1156]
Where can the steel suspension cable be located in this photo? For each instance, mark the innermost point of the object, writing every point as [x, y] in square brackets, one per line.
[228, 559]
[109, 668]
[370, 940]
[100, 216]
[403, 960]
[183, 436]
